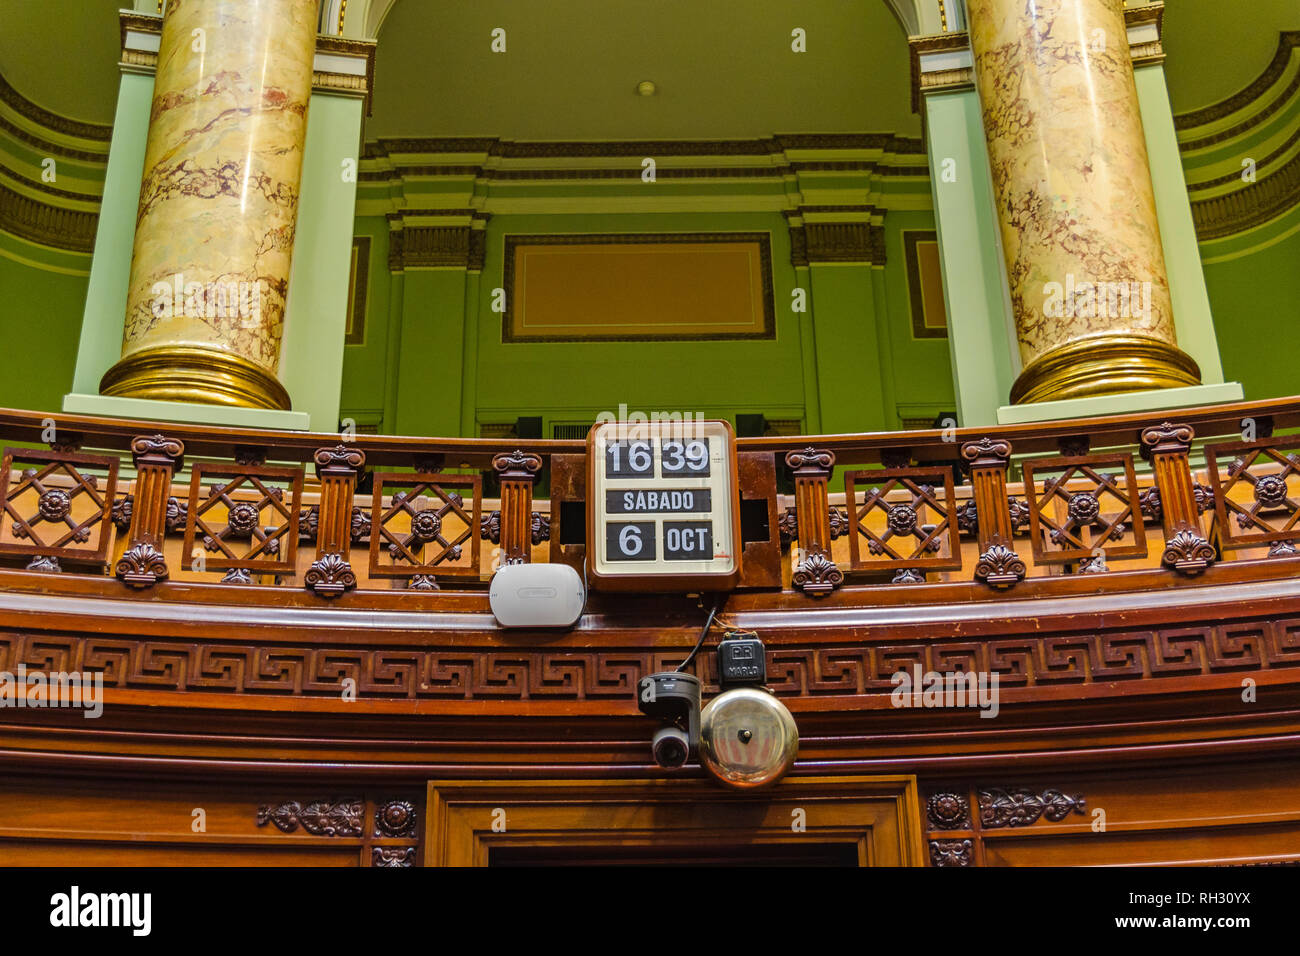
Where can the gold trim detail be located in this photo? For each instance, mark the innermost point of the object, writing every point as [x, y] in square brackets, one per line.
[1104, 363]
[189, 373]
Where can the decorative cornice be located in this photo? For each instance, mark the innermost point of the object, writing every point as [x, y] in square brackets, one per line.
[71, 230]
[513, 149]
[1260, 201]
[774, 158]
[950, 65]
[434, 247]
[843, 233]
[347, 82]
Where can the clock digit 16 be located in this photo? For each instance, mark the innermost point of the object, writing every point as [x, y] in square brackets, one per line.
[662, 506]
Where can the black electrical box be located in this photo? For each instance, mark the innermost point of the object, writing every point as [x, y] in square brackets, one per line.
[741, 659]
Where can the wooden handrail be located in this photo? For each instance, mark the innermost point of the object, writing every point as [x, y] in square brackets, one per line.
[923, 445]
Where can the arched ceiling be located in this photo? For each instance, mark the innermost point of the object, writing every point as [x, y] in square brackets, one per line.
[571, 66]
[570, 70]
[1216, 47]
[62, 55]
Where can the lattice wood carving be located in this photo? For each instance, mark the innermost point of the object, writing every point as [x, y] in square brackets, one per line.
[425, 528]
[1267, 475]
[906, 518]
[52, 509]
[1083, 506]
[243, 519]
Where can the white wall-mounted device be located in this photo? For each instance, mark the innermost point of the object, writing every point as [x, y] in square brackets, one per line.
[537, 595]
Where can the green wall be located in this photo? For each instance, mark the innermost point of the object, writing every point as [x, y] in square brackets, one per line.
[40, 320]
[1256, 311]
[433, 360]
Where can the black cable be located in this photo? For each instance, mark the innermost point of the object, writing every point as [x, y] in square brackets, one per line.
[703, 634]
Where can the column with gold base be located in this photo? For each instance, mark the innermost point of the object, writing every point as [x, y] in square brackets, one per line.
[1077, 213]
[215, 226]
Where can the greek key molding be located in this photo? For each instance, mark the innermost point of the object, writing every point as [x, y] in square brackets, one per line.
[507, 674]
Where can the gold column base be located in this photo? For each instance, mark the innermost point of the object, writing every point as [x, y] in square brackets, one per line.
[1104, 363]
[187, 373]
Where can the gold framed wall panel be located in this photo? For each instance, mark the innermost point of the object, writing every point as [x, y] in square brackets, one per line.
[638, 287]
[358, 290]
[925, 284]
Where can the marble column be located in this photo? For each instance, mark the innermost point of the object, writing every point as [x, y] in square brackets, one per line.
[1075, 203]
[215, 225]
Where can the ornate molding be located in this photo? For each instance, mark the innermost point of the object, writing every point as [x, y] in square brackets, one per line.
[394, 856]
[1267, 198]
[396, 818]
[826, 234]
[432, 247]
[950, 853]
[948, 810]
[1179, 654]
[1188, 551]
[330, 575]
[1020, 807]
[999, 566]
[517, 465]
[331, 818]
[811, 459]
[71, 230]
[817, 575]
[141, 565]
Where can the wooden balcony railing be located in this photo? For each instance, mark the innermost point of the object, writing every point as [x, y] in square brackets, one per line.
[978, 511]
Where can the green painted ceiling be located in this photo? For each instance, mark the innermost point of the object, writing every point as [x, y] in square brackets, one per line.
[1217, 47]
[724, 67]
[63, 54]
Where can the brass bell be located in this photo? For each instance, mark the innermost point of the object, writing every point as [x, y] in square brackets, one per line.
[748, 738]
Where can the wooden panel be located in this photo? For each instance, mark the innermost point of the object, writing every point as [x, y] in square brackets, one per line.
[1165, 815]
[879, 816]
[1180, 847]
[568, 488]
[223, 822]
[20, 852]
[760, 565]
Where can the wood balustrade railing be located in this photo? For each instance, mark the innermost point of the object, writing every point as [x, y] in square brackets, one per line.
[989, 509]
